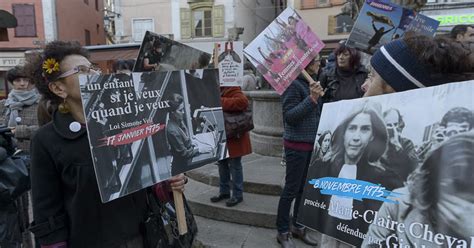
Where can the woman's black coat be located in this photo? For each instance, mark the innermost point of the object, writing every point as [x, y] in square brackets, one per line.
[66, 201]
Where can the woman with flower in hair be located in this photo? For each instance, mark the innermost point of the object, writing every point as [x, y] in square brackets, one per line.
[67, 207]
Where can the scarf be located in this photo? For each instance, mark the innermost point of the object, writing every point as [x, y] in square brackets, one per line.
[16, 100]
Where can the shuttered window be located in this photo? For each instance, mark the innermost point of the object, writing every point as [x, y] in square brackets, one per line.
[218, 28]
[185, 21]
[25, 15]
[140, 26]
[202, 20]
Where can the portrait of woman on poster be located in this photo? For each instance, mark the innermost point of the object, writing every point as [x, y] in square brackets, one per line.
[324, 143]
[357, 146]
[182, 145]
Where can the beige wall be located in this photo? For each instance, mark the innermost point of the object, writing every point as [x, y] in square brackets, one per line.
[159, 11]
[317, 19]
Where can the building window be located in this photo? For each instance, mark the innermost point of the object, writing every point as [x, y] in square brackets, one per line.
[202, 22]
[88, 37]
[140, 26]
[25, 15]
[86, 2]
[202, 19]
[97, 5]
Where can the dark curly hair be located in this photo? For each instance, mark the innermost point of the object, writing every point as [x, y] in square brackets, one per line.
[56, 50]
[442, 55]
[15, 73]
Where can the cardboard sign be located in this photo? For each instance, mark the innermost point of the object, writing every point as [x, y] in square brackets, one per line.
[387, 171]
[380, 22]
[146, 127]
[284, 49]
[158, 53]
[230, 59]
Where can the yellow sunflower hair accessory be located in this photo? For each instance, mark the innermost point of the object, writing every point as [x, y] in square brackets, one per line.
[50, 66]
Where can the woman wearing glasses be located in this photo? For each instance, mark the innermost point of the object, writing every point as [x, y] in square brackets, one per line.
[66, 203]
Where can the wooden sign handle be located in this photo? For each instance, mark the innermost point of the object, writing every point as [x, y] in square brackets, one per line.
[180, 216]
[216, 51]
[311, 80]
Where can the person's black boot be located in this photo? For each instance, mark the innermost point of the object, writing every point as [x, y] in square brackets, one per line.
[220, 197]
[233, 201]
[300, 233]
[285, 241]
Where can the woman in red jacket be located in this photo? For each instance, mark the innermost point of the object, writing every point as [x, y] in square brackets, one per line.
[233, 100]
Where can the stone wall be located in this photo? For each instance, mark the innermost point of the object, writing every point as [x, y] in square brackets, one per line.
[267, 136]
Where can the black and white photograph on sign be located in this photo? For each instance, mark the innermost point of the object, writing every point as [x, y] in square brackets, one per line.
[230, 58]
[146, 127]
[159, 53]
[389, 169]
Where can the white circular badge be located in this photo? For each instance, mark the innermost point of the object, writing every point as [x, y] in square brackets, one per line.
[18, 119]
[75, 126]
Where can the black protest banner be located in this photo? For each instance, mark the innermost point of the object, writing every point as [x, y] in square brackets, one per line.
[146, 127]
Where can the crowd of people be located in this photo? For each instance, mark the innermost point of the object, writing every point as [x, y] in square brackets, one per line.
[44, 111]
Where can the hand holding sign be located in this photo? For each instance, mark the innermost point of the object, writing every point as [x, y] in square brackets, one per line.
[316, 90]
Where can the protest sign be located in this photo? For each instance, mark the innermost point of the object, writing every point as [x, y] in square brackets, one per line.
[146, 127]
[284, 49]
[380, 22]
[389, 170]
[158, 53]
[229, 56]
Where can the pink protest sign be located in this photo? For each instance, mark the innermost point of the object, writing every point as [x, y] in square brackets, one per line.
[283, 49]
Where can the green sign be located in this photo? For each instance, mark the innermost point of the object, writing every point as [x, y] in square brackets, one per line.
[450, 20]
